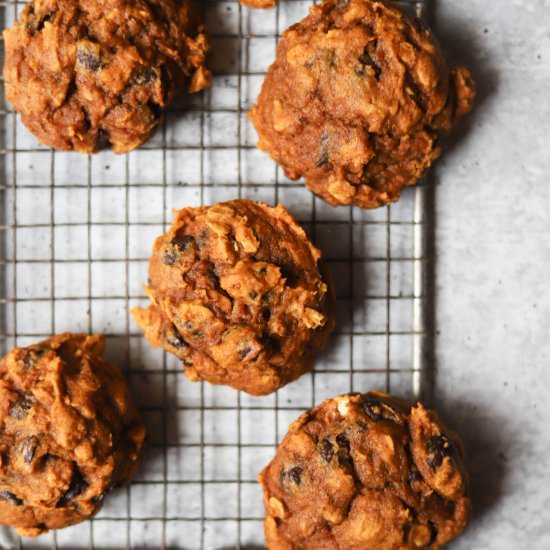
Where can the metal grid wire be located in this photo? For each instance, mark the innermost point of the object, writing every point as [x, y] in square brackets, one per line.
[77, 232]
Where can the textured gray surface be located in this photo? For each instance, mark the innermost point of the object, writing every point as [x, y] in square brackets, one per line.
[493, 255]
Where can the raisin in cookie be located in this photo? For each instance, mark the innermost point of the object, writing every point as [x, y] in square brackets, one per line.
[365, 472]
[68, 433]
[357, 100]
[91, 74]
[237, 296]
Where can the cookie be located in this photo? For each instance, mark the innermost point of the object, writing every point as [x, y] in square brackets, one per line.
[365, 472]
[68, 433]
[357, 100]
[96, 74]
[259, 3]
[237, 296]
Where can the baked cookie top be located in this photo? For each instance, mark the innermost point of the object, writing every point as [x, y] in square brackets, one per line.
[237, 295]
[356, 101]
[365, 472]
[68, 433]
[97, 73]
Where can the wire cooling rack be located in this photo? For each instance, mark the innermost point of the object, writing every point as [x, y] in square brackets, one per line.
[76, 234]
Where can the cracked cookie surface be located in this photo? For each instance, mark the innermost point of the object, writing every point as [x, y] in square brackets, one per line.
[85, 75]
[68, 433]
[365, 472]
[357, 100]
[237, 296]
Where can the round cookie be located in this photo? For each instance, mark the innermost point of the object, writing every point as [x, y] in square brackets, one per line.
[92, 74]
[357, 100]
[68, 433]
[365, 472]
[237, 296]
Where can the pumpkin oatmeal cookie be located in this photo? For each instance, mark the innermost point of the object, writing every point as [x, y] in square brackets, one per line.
[357, 100]
[68, 433]
[237, 296]
[365, 472]
[85, 75]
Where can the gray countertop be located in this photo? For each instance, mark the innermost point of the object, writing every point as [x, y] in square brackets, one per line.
[493, 256]
[491, 308]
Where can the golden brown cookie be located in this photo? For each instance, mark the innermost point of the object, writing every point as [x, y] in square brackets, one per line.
[237, 296]
[357, 100]
[68, 433]
[365, 472]
[91, 74]
[259, 3]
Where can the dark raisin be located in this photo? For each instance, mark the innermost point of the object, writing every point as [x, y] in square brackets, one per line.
[28, 448]
[252, 294]
[323, 149]
[213, 276]
[327, 450]
[414, 475]
[11, 498]
[86, 122]
[438, 447]
[169, 257]
[267, 297]
[144, 75]
[322, 160]
[183, 243]
[377, 410]
[98, 498]
[344, 459]
[433, 530]
[29, 361]
[174, 339]
[77, 486]
[32, 355]
[373, 408]
[295, 474]
[21, 408]
[271, 343]
[366, 60]
[40, 26]
[89, 60]
[244, 352]
[291, 275]
[266, 314]
[414, 91]
[103, 139]
[342, 441]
